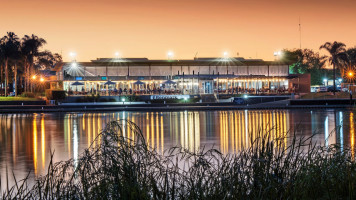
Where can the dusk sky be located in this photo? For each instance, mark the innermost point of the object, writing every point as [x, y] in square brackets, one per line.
[142, 28]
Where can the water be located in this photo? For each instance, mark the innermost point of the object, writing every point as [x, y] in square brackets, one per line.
[26, 140]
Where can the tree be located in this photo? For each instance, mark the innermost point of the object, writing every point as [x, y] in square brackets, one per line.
[306, 61]
[30, 48]
[338, 57]
[351, 53]
[47, 60]
[10, 45]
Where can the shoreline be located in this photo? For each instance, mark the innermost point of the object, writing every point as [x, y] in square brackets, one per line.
[150, 108]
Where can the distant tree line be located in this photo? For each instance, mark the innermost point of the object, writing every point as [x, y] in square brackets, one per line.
[308, 61]
[22, 58]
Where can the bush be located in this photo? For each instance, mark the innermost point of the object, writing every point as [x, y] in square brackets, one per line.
[28, 94]
[55, 94]
[118, 167]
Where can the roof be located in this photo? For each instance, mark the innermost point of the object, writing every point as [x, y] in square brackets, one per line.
[195, 62]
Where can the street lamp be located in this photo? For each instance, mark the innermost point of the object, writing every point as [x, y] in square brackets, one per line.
[34, 77]
[41, 79]
[350, 74]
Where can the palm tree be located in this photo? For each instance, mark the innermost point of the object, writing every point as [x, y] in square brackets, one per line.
[30, 48]
[10, 47]
[1, 63]
[338, 57]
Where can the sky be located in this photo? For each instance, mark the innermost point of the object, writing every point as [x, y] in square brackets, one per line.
[206, 28]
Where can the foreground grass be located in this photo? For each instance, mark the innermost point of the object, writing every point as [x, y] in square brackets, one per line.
[121, 168]
[18, 99]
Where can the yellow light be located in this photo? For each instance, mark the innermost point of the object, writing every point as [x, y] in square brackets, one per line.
[34, 77]
[350, 74]
[41, 79]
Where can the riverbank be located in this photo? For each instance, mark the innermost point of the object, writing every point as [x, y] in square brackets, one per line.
[108, 107]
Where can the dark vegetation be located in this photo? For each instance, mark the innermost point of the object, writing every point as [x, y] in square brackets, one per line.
[124, 168]
[308, 61]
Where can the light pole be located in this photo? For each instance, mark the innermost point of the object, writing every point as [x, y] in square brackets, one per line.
[350, 74]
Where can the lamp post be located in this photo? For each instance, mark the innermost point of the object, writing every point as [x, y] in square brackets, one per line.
[350, 74]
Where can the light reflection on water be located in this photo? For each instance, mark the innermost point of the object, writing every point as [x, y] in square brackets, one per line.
[26, 140]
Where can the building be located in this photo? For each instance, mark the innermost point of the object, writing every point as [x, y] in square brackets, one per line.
[197, 76]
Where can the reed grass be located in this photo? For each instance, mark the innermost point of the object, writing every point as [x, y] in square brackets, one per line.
[122, 168]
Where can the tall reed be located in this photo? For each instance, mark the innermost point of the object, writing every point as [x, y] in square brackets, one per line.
[123, 168]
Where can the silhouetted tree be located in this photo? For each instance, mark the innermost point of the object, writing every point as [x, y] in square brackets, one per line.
[30, 48]
[306, 61]
[338, 57]
[351, 52]
[10, 45]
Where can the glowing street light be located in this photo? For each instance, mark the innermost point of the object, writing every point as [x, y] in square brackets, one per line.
[117, 54]
[34, 77]
[72, 55]
[340, 80]
[41, 79]
[74, 65]
[277, 55]
[226, 54]
[325, 81]
[350, 74]
[170, 55]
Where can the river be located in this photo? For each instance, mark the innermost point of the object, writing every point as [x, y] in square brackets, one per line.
[26, 140]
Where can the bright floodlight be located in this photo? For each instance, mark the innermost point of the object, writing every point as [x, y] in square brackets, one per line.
[277, 53]
[34, 77]
[74, 65]
[117, 54]
[340, 80]
[41, 79]
[170, 54]
[72, 54]
[325, 80]
[245, 96]
[123, 99]
[226, 54]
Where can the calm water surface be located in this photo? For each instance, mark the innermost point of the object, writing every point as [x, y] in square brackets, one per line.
[27, 139]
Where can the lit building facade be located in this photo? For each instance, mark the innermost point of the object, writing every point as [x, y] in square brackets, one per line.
[197, 76]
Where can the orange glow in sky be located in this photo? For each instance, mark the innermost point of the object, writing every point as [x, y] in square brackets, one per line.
[143, 28]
